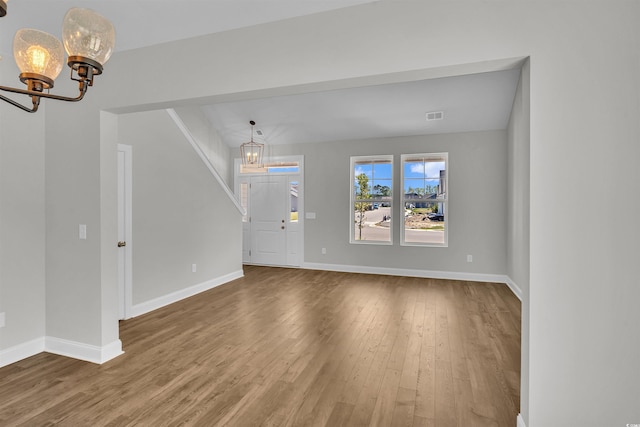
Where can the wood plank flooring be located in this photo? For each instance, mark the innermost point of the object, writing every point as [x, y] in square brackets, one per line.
[288, 347]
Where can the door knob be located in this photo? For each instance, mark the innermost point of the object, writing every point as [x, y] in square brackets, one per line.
[121, 244]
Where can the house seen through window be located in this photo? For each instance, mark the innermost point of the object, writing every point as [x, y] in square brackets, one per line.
[371, 199]
[424, 199]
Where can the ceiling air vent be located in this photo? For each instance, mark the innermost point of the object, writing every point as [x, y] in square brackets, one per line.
[435, 115]
[259, 132]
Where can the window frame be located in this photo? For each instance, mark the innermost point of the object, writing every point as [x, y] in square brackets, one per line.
[403, 199]
[386, 158]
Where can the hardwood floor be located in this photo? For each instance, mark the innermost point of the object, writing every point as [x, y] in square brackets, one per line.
[293, 347]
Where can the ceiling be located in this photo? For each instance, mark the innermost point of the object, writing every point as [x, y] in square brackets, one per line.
[472, 102]
[141, 23]
[469, 103]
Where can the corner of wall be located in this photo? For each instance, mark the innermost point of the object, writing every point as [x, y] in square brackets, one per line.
[520, 421]
[81, 351]
[517, 291]
[21, 351]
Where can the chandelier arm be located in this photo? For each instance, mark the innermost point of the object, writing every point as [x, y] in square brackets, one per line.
[82, 89]
[36, 102]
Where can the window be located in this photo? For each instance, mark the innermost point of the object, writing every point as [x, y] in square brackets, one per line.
[371, 199]
[272, 168]
[244, 200]
[424, 199]
[293, 201]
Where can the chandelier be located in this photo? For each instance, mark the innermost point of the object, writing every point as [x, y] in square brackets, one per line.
[89, 40]
[251, 151]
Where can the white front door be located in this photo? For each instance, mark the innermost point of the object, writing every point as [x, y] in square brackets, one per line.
[273, 227]
[268, 220]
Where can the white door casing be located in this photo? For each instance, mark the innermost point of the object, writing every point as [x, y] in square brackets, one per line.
[125, 189]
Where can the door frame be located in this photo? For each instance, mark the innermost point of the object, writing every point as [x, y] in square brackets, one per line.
[125, 221]
[238, 178]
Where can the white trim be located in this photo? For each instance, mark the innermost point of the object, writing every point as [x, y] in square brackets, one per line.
[185, 131]
[127, 287]
[73, 349]
[431, 274]
[82, 351]
[514, 288]
[21, 351]
[520, 421]
[156, 303]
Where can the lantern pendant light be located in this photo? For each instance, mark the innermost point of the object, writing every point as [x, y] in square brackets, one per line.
[251, 151]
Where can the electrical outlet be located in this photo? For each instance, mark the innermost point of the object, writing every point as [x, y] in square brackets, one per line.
[194, 268]
[324, 251]
[469, 258]
[2, 320]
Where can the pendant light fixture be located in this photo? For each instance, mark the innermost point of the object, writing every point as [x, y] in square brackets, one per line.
[89, 40]
[251, 151]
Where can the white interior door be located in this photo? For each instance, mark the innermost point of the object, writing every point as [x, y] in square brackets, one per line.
[268, 219]
[125, 291]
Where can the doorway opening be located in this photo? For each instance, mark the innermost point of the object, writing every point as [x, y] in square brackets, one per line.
[273, 198]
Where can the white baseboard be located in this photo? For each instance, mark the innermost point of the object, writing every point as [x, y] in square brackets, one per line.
[514, 288]
[156, 303]
[429, 274]
[520, 421]
[81, 351]
[73, 349]
[21, 351]
[96, 354]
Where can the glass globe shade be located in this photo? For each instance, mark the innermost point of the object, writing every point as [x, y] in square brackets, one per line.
[87, 34]
[38, 52]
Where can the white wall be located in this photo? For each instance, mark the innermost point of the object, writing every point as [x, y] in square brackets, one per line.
[585, 63]
[74, 296]
[518, 208]
[180, 213]
[22, 228]
[518, 182]
[208, 139]
[477, 203]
